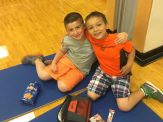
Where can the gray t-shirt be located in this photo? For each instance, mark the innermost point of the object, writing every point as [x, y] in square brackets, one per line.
[80, 53]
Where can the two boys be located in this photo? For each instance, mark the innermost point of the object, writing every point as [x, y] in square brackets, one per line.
[73, 61]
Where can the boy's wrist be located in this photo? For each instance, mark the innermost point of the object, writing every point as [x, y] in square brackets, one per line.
[54, 62]
[129, 64]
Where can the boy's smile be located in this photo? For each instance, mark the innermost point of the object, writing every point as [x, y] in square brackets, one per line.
[76, 30]
[96, 27]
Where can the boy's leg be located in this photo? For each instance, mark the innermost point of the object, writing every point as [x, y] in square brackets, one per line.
[127, 103]
[37, 60]
[147, 89]
[98, 85]
[41, 71]
[69, 80]
[93, 95]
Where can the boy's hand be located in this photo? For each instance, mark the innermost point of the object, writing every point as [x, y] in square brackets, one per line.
[54, 67]
[121, 38]
[125, 70]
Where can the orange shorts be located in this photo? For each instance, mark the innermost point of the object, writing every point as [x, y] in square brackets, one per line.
[66, 72]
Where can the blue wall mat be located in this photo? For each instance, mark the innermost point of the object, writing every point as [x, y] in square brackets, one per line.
[13, 82]
[141, 113]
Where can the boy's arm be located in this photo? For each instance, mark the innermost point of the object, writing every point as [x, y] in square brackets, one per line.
[127, 68]
[61, 52]
[57, 57]
[121, 38]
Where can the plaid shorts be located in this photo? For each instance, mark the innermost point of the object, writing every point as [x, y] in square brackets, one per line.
[100, 83]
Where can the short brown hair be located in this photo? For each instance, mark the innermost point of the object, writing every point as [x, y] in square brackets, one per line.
[73, 16]
[96, 14]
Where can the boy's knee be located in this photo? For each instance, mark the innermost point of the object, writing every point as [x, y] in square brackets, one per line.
[63, 87]
[124, 107]
[93, 96]
[43, 77]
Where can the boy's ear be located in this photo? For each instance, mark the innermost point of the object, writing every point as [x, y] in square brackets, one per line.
[107, 24]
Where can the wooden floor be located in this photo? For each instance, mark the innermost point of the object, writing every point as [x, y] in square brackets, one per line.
[36, 26]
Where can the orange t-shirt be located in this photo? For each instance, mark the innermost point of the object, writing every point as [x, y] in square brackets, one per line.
[108, 53]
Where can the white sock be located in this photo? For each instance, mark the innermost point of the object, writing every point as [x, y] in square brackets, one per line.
[143, 91]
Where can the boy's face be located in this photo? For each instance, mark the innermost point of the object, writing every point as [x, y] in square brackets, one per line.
[75, 30]
[96, 27]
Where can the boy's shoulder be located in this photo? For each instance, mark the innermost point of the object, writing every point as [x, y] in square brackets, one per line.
[66, 37]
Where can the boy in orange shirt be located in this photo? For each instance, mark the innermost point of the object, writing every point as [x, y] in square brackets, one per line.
[73, 61]
[110, 73]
